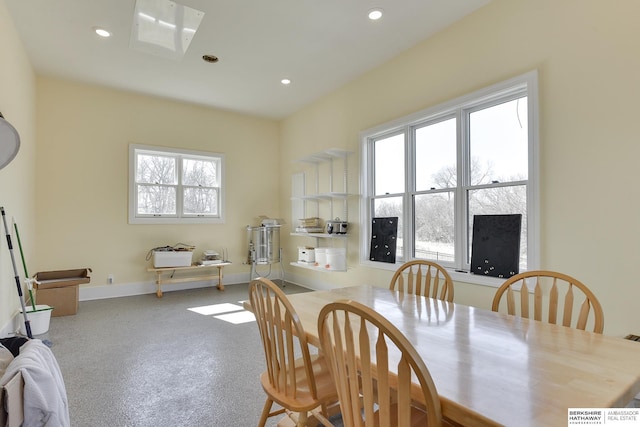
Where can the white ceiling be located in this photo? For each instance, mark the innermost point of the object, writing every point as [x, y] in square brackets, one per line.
[319, 44]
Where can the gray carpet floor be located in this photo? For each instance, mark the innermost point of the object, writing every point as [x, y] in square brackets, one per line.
[148, 361]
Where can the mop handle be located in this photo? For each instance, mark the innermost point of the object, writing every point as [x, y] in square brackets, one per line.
[24, 264]
[27, 324]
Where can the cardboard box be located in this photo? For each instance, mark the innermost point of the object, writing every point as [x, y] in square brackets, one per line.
[61, 278]
[64, 300]
[59, 289]
[163, 259]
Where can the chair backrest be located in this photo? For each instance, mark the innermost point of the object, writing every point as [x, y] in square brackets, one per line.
[373, 366]
[552, 296]
[283, 338]
[425, 278]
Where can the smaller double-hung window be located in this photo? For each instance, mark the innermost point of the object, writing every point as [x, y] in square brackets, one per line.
[172, 186]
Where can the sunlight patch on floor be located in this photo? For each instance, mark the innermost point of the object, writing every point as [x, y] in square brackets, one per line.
[209, 310]
[237, 317]
[227, 312]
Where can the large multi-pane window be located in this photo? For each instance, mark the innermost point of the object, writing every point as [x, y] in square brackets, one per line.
[173, 186]
[436, 169]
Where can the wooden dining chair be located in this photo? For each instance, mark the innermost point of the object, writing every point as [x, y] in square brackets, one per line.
[378, 373]
[424, 278]
[553, 296]
[295, 379]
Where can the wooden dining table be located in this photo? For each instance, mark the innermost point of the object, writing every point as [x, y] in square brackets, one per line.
[495, 369]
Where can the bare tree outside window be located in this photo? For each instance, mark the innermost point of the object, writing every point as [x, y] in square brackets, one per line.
[434, 226]
[156, 176]
[198, 177]
[434, 220]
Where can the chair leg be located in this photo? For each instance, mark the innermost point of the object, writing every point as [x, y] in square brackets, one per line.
[320, 415]
[332, 408]
[265, 412]
[302, 419]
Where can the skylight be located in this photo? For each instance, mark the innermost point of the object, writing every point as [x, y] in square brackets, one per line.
[163, 27]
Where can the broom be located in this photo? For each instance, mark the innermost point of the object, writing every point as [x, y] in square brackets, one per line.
[27, 324]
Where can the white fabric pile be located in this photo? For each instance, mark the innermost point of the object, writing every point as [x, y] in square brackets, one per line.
[45, 396]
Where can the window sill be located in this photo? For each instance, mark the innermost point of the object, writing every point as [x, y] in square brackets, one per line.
[475, 279]
[173, 220]
[456, 275]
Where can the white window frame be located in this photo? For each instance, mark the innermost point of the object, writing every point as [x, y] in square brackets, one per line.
[179, 217]
[527, 85]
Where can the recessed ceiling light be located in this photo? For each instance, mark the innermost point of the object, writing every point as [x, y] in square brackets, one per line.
[285, 81]
[102, 32]
[375, 14]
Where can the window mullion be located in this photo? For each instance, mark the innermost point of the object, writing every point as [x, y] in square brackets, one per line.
[409, 192]
[367, 185]
[533, 180]
[463, 180]
[179, 188]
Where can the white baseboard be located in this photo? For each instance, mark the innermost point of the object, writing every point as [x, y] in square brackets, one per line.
[10, 328]
[93, 292]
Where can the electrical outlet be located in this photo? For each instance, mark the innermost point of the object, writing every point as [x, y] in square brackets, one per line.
[110, 279]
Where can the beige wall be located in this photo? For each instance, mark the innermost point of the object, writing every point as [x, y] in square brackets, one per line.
[82, 176]
[17, 194]
[586, 55]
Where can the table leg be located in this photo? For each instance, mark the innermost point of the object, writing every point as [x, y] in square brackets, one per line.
[159, 285]
[220, 284]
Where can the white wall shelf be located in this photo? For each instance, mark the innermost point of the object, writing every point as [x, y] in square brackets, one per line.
[325, 197]
[310, 266]
[321, 235]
